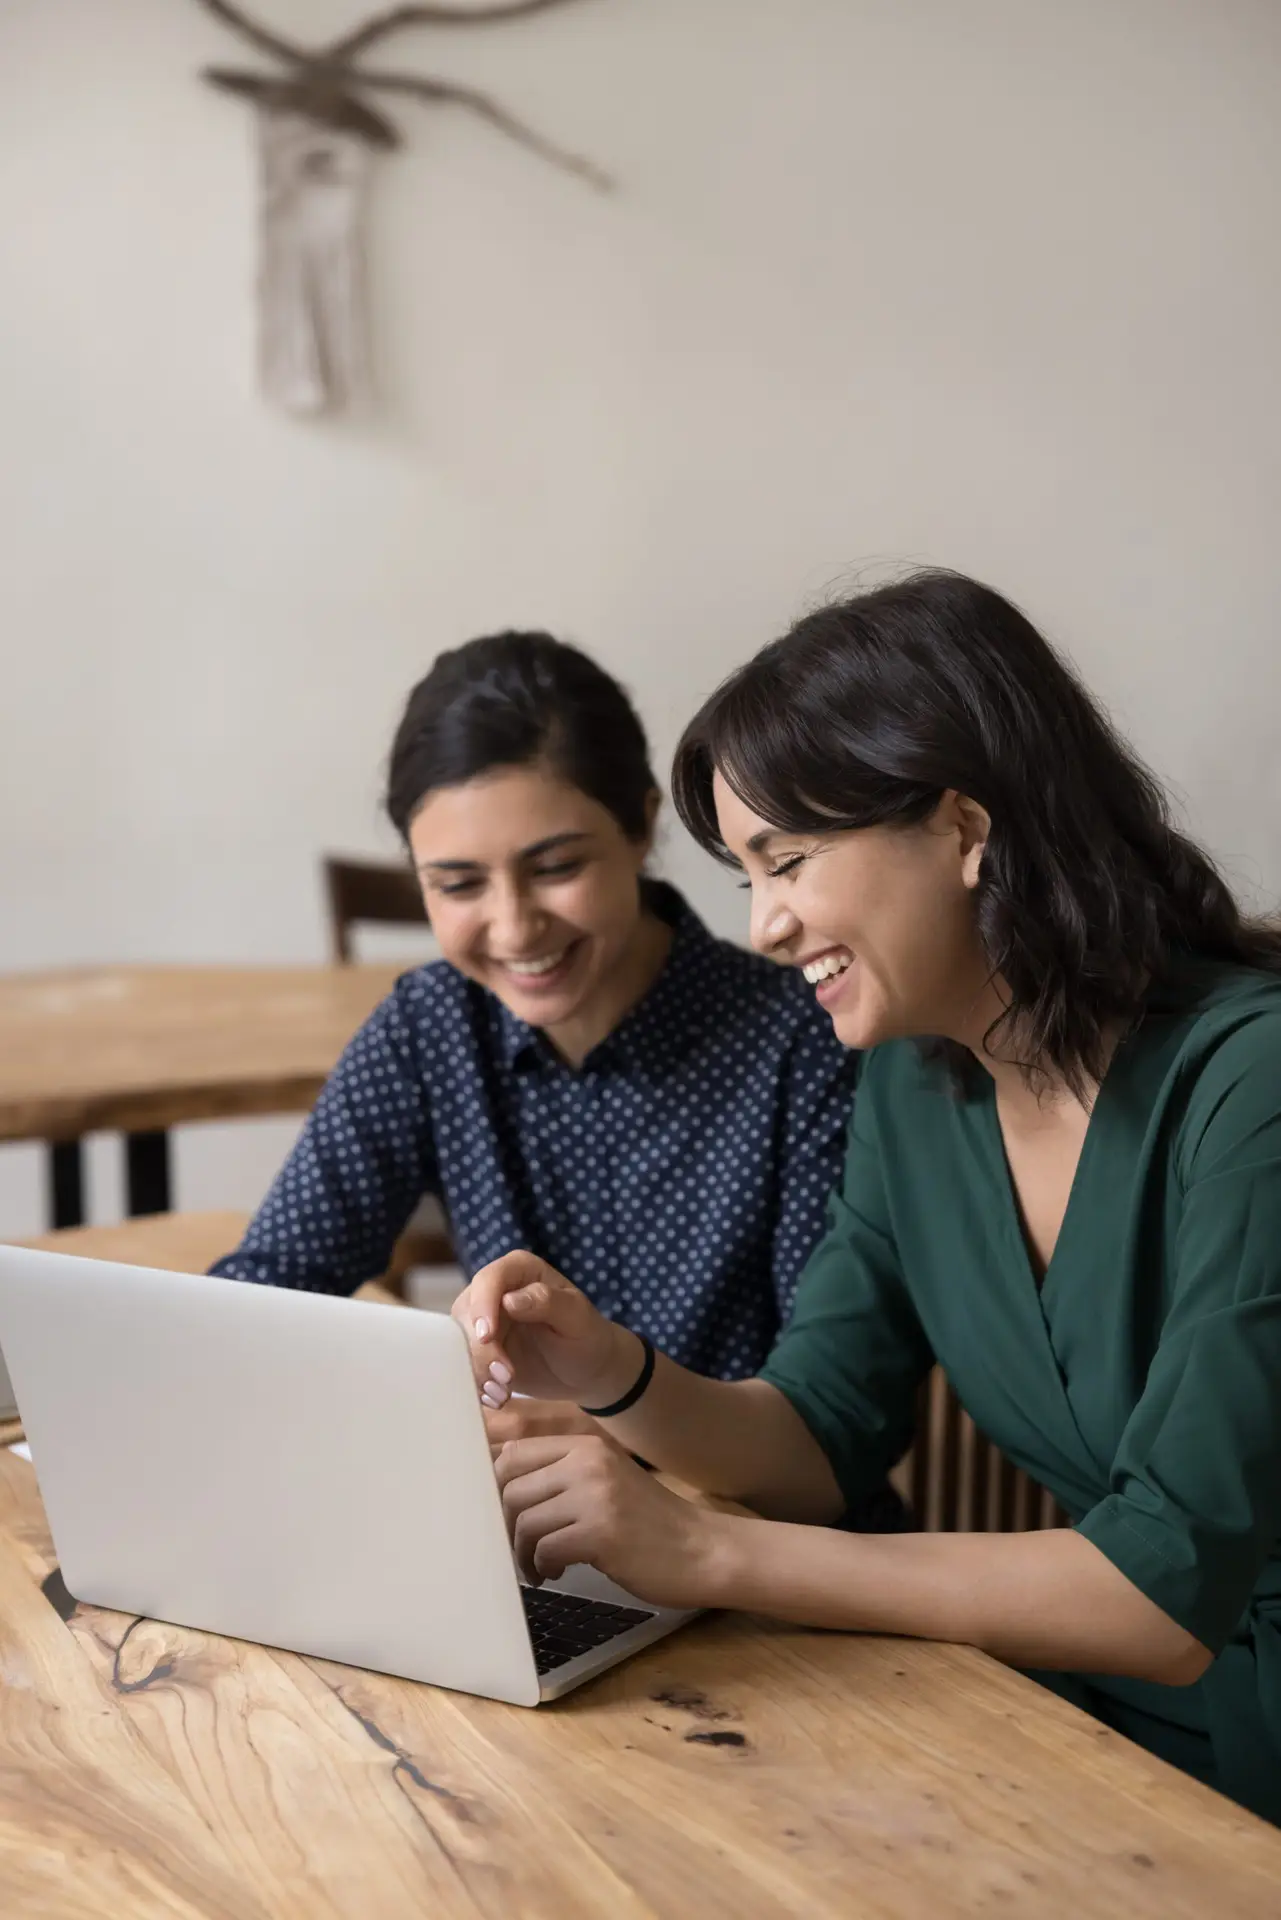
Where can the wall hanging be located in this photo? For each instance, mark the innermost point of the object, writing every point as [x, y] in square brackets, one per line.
[317, 129]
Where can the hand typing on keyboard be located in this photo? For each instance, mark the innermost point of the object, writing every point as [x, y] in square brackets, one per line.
[578, 1499]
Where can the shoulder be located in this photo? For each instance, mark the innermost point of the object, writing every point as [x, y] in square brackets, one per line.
[1228, 1066]
[1224, 1018]
[431, 988]
[434, 1000]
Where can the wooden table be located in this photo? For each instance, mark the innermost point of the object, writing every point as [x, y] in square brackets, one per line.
[142, 1049]
[741, 1768]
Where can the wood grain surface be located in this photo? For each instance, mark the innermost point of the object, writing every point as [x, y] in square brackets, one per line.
[134, 1048]
[741, 1768]
[171, 1242]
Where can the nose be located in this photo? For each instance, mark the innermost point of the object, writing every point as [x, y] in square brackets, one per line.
[774, 925]
[515, 921]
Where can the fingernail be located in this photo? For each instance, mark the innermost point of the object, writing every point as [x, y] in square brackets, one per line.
[497, 1371]
[500, 1395]
[489, 1401]
[481, 1329]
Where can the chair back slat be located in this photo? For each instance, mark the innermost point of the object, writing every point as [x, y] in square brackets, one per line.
[366, 892]
[959, 1482]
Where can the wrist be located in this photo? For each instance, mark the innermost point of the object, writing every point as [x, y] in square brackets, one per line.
[622, 1361]
[724, 1559]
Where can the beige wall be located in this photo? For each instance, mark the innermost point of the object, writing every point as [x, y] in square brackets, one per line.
[990, 282]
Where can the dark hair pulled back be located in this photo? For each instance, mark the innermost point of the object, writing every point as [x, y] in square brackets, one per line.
[511, 698]
[869, 710]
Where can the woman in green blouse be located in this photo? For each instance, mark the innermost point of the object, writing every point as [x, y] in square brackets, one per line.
[1063, 1183]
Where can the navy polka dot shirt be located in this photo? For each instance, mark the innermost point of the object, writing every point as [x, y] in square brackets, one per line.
[678, 1177]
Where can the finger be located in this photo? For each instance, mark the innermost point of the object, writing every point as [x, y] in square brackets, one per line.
[533, 1527]
[530, 1419]
[547, 1300]
[493, 1363]
[515, 1421]
[534, 1490]
[485, 1295]
[496, 1383]
[551, 1302]
[520, 1457]
[569, 1546]
[479, 1312]
[482, 1357]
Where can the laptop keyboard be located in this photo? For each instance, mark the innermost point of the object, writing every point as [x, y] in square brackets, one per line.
[562, 1625]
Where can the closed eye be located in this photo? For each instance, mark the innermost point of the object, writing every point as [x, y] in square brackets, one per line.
[788, 865]
[471, 883]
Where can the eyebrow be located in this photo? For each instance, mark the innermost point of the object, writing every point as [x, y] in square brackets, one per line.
[759, 841]
[532, 852]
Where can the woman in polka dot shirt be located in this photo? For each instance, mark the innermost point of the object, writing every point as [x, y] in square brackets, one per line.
[587, 1073]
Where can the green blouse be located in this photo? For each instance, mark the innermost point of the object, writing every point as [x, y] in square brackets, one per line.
[1140, 1382]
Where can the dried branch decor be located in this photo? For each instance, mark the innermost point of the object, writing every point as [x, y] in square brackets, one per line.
[317, 128]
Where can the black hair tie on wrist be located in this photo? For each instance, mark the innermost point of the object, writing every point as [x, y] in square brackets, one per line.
[633, 1393]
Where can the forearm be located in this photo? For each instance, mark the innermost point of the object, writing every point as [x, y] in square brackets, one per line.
[345, 1237]
[1046, 1599]
[742, 1439]
[363, 1161]
[336, 1254]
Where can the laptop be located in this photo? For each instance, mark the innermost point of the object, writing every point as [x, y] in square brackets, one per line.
[309, 1472]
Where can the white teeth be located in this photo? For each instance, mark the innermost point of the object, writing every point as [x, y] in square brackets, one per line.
[533, 968]
[826, 965]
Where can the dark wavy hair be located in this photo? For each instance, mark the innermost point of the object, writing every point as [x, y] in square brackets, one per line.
[868, 711]
[511, 698]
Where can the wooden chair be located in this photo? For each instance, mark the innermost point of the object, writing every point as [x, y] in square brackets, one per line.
[959, 1482]
[367, 892]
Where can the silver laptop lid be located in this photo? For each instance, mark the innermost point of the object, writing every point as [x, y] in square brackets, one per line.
[280, 1466]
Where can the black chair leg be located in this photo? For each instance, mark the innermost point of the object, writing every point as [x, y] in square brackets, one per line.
[147, 1179]
[65, 1183]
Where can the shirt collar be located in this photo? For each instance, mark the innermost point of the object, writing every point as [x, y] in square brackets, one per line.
[631, 1044]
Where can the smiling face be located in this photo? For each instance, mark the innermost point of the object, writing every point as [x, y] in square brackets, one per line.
[880, 918]
[533, 890]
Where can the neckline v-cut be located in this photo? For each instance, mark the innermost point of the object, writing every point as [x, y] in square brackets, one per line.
[1011, 1201]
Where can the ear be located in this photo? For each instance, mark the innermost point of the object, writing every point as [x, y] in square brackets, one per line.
[973, 825]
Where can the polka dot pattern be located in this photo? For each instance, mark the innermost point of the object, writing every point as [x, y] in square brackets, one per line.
[679, 1176]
